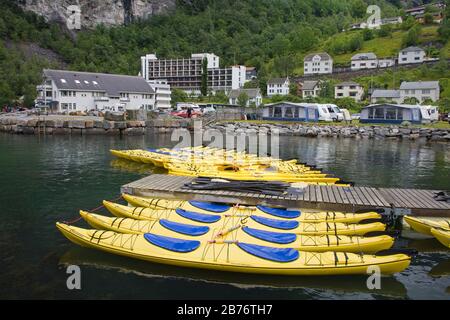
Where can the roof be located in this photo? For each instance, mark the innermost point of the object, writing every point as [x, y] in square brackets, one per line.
[364, 56]
[309, 85]
[322, 55]
[419, 85]
[112, 84]
[411, 49]
[347, 84]
[284, 102]
[251, 93]
[277, 81]
[378, 93]
[406, 106]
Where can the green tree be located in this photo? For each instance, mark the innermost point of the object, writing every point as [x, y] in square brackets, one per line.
[428, 18]
[242, 99]
[326, 90]
[385, 31]
[204, 84]
[411, 100]
[293, 87]
[368, 34]
[178, 96]
[412, 37]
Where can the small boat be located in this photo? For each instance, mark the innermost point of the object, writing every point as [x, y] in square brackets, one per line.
[222, 208]
[233, 256]
[424, 225]
[443, 235]
[256, 221]
[320, 243]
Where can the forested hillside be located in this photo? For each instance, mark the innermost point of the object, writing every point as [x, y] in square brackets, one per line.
[268, 34]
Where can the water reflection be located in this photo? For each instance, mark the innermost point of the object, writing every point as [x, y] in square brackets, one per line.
[345, 284]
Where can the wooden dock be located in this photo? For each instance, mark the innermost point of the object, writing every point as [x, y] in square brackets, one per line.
[332, 198]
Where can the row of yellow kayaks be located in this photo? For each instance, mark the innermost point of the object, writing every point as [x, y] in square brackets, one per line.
[436, 227]
[211, 162]
[241, 239]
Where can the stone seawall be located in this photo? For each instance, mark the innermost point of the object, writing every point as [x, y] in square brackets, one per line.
[350, 131]
[69, 125]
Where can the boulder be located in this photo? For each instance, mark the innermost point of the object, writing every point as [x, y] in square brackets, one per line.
[28, 130]
[94, 131]
[89, 124]
[115, 116]
[32, 123]
[112, 131]
[77, 124]
[98, 124]
[134, 131]
[120, 125]
[62, 131]
[108, 124]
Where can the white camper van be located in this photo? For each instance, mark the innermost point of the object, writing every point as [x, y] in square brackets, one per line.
[335, 113]
[433, 112]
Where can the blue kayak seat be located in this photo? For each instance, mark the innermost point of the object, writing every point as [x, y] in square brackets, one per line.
[210, 206]
[281, 213]
[274, 237]
[277, 224]
[198, 217]
[172, 244]
[269, 253]
[187, 229]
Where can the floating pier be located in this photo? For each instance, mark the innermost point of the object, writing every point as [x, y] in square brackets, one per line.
[333, 198]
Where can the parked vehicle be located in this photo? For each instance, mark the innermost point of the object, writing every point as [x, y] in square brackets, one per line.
[184, 113]
[356, 116]
[335, 113]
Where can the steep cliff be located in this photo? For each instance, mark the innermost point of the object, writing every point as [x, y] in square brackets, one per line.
[93, 12]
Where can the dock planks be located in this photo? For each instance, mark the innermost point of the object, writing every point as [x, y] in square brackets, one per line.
[333, 198]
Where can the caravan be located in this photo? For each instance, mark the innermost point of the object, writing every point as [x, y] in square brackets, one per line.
[430, 112]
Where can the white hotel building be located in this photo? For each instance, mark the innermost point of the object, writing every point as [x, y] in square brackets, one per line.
[186, 73]
[84, 91]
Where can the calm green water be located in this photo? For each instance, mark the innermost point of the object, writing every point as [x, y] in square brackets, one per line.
[46, 180]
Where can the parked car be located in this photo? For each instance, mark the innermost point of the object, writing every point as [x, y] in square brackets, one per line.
[356, 116]
[184, 113]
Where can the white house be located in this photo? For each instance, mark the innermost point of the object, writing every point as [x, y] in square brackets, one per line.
[278, 86]
[364, 61]
[386, 62]
[421, 90]
[254, 97]
[380, 95]
[349, 90]
[411, 55]
[83, 91]
[162, 93]
[310, 89]
[318, 63]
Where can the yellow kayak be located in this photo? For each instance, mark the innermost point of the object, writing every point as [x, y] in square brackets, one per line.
[222, 208]
[424, 225]
[443, 235]
[255, 221]
[243, 233]
[231, 256]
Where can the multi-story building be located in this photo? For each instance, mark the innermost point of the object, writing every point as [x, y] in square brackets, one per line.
[364, 61]
[349, 90]
[411, 55]
[162, 93]
[83, 91]
[421, 90]
[278, 86]
[186, 73]
[318, 63]
[386, 62]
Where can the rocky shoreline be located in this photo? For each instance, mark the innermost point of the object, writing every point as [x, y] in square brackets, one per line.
[74, 125]
[350, 131]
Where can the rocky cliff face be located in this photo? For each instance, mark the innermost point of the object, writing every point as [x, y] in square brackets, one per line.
[93, 12]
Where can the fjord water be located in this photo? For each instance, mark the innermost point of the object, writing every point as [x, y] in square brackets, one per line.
[48, 179]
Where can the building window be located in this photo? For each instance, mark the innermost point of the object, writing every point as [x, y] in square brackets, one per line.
[426, 91]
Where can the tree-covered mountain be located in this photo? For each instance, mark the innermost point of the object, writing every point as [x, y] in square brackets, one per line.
[267, 34]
